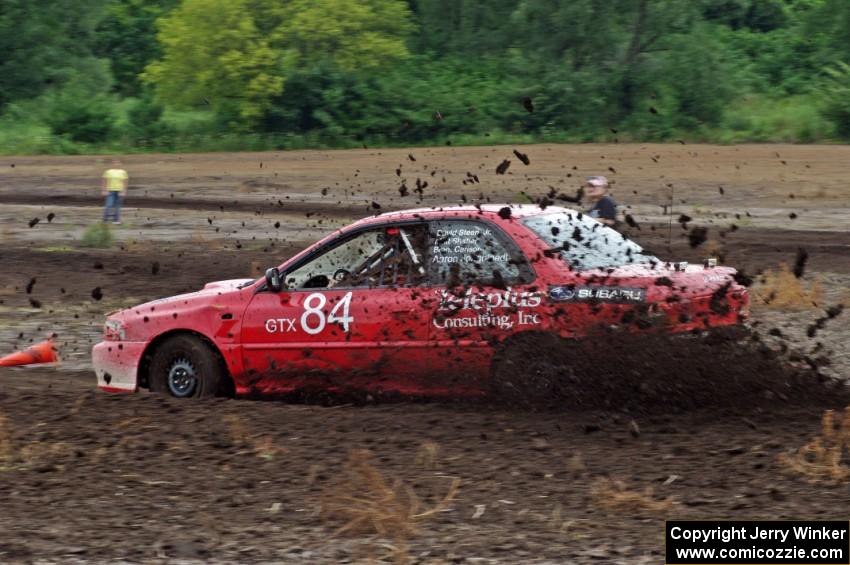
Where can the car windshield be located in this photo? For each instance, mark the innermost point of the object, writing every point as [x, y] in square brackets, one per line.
[584, 243]
[389, 256]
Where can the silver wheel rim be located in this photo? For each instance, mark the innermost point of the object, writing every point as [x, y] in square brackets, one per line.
[182, 378]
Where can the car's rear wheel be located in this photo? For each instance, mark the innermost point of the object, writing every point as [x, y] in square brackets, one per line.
[529, 369]
[184, 366]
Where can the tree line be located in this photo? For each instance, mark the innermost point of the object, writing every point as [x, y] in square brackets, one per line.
[207, 74]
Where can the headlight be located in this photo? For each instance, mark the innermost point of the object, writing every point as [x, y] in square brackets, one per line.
[113, 330]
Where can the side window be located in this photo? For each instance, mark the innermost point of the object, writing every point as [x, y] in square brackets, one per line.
[387, 256]
[463, 252]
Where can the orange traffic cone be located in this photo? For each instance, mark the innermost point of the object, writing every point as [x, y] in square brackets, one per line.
[39, 353]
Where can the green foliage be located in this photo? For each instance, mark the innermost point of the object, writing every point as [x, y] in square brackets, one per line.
[183, 75]
[43, 42]
[794, 119]
[765, 15]
[837, 98]
[215, 54]
[567, 31]
[352, 34]
[235, 55]
[731, 13]
[144, 124]
[415, 101]
[449, 27]
[699, 74]
[80, 118]
[827, 24]
[97, 235]
[19, 137]
[127, 37]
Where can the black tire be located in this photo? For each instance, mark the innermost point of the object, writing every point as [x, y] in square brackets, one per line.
[530, 369]
[184, 366]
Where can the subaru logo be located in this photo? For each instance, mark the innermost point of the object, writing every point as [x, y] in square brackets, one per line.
[560, 293]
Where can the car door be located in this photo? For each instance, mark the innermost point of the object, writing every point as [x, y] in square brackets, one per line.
[483, 286]
[592, 288]
[351, 315]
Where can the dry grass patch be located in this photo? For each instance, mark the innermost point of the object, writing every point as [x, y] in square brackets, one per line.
[201, 238]
[826, 457]
[7, 446]
[427, 455]
[366, 502]
[198, 236]
[613, 495]
[22, 455]
[576, 465]
[714, 248]
[780, 289]
[259, 445]
[142, 246]
[574, 529]
[8, 290]
[7, 234]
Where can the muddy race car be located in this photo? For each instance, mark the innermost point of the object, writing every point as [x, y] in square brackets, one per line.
[417, 302]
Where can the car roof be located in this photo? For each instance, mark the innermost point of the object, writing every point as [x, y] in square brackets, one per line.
[488, 210]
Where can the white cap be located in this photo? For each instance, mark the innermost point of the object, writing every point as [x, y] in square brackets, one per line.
[597, 181]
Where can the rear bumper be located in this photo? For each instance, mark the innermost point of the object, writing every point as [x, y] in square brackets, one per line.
[116, 364]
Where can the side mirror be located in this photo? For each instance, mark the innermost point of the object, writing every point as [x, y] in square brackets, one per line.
[273, 279]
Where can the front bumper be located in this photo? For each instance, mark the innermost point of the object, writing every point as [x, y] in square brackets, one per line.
[116, 364]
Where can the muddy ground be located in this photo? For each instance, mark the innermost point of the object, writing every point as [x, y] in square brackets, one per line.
[89, 477]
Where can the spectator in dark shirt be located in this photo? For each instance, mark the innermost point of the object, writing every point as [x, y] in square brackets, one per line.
[603, 207]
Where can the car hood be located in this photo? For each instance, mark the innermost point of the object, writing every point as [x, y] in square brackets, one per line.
[216, 288]
[229, 284]
[209, 291]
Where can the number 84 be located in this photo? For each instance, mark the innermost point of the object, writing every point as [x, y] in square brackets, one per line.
[313, 319]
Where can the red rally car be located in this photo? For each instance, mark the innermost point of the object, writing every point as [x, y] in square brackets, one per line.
[394, 302]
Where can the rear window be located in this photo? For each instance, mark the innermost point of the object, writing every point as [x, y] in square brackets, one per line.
[584, 243]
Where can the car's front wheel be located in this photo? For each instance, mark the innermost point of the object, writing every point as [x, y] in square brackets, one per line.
[184, 366]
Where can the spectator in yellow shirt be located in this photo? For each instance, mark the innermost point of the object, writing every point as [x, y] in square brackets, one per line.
[114, 187]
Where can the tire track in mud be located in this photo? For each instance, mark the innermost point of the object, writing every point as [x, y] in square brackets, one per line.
[119, 460]
[751, 248]
[313, 208]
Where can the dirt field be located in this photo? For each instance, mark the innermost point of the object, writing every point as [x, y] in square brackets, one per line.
[89, 477]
